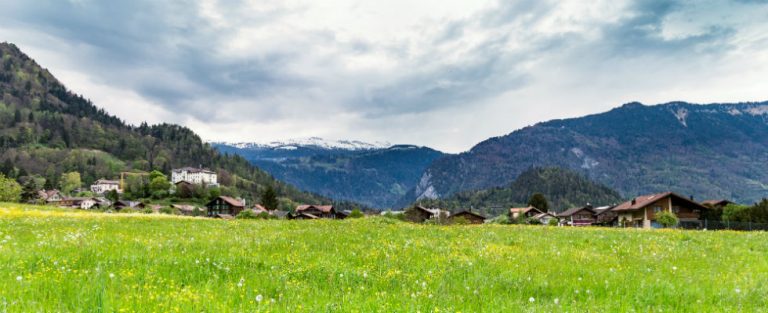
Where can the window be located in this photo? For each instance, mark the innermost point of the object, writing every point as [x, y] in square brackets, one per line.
[657, 209]
[676, 209]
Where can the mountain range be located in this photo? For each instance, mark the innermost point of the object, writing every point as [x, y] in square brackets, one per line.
[374, 174]
[711, 151]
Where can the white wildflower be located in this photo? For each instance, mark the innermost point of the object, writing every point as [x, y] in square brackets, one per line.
[111, 275]
[557, 301]
[737, 290]
[531, 300]
[241, 283]
[365, 275]
[19, 278]
[259, 298]
[674, 268]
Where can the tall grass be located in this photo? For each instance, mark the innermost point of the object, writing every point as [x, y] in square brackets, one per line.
[63, 261]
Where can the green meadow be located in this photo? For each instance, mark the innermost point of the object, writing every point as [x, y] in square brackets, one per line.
[54, 260]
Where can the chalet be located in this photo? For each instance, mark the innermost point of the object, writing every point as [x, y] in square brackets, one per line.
[716, 203]
[420, 214]
[527, 212]
[641, 211]
[471, 217]
[197, 176]
[224, 207]
[84, 203]
[544, 218]
[258, 209]
[321, 211]
[50, 196]
[606, 216]
[103, 186]
[581, 216]
[303, 216]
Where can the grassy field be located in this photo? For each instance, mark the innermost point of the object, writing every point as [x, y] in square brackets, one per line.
[55, 260]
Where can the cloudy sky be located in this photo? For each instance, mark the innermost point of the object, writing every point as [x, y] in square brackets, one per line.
[441, 73]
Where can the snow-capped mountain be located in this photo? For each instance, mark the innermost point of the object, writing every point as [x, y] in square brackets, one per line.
[311, 142]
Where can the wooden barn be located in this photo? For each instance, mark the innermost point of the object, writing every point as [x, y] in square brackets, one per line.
[581, 216]
[320, 211]
[471, 217]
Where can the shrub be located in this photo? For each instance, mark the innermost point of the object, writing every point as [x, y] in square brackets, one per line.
[10, 190]
[166, 210]
[667, 219]
[246, 215]
[553, 222]
[460, 221]
[147, 211]
[501, 219]
[356, 214]
[264, 216]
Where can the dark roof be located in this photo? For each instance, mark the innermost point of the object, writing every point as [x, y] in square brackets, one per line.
[573, 211]
[467, 212]
[716, 202]
[194, 170]
[646, 200]
[106, 182]
[321, 208]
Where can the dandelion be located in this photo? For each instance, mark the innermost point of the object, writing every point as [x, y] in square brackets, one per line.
[424, 285]
[674, 268]
[365, 275]
[259, 298]
[19, 278]
[241, 283]
[531, 299]
[111, 275]
[737, 290]
[341, 275]
[430, 296]
[557, 301]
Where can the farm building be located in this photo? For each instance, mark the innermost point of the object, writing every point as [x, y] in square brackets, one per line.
[471, 217]
[224, 207]
[188, 209]
[544, 218]
[581, 216]
[717, 203]
[50, 196]
[606, 216]
[641, 211]
[420, 214]
[527, 212]
[122, 204]
[320, 211]
[85, 203]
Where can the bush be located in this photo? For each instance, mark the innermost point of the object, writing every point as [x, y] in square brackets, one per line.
[167, 210]
[460, 221]
[10, 190]
[501, 219]
[127, 210]
[246, 215]
[147, 211]
[356, 214]
[553, 222]
[667, 219]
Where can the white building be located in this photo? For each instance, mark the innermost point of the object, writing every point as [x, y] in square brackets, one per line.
[103, 186]
[197, 176]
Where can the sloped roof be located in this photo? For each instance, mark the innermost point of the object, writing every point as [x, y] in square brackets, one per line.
[194, 170]
[321, 208]
[524, 210]
[106, 182]
[232, 201]
[541, 215]
[573, 211]
[716, 202]
[646, 200]
[467, 212]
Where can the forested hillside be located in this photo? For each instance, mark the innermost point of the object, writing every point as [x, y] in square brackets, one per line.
[561, 187]
[711, 151]
[46, 130]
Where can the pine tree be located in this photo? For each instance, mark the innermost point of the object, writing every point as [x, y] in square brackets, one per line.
[269, 199]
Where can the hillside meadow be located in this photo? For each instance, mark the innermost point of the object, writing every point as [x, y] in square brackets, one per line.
[55, 260]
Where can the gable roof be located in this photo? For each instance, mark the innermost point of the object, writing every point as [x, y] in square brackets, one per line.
[194, 170]
[467, 212]
[716, 202]
[603, 209]
[524, 210]
[573, 211]
[233, 202]
[106, 182]
[646, 200]
[321, 208]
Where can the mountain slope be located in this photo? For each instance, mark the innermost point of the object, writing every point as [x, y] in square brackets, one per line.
[712, 151]
[364, 173]
[46, 130]
[562, 188]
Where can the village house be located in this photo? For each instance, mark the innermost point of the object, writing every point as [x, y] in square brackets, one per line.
[122, 204]
[188, 209]
[224, 207]
[581, 216]
[641, 211]
[420, 214]
[50, 196]
[197, 176]
[606, 216]
[469, 216]
[527, 212]
[84, 203]
[103, 186]
[544, 218]
[320, 211]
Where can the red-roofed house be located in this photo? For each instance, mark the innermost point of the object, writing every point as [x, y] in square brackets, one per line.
[641, 211]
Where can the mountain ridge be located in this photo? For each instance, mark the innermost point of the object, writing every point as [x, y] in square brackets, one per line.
[721, 147]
